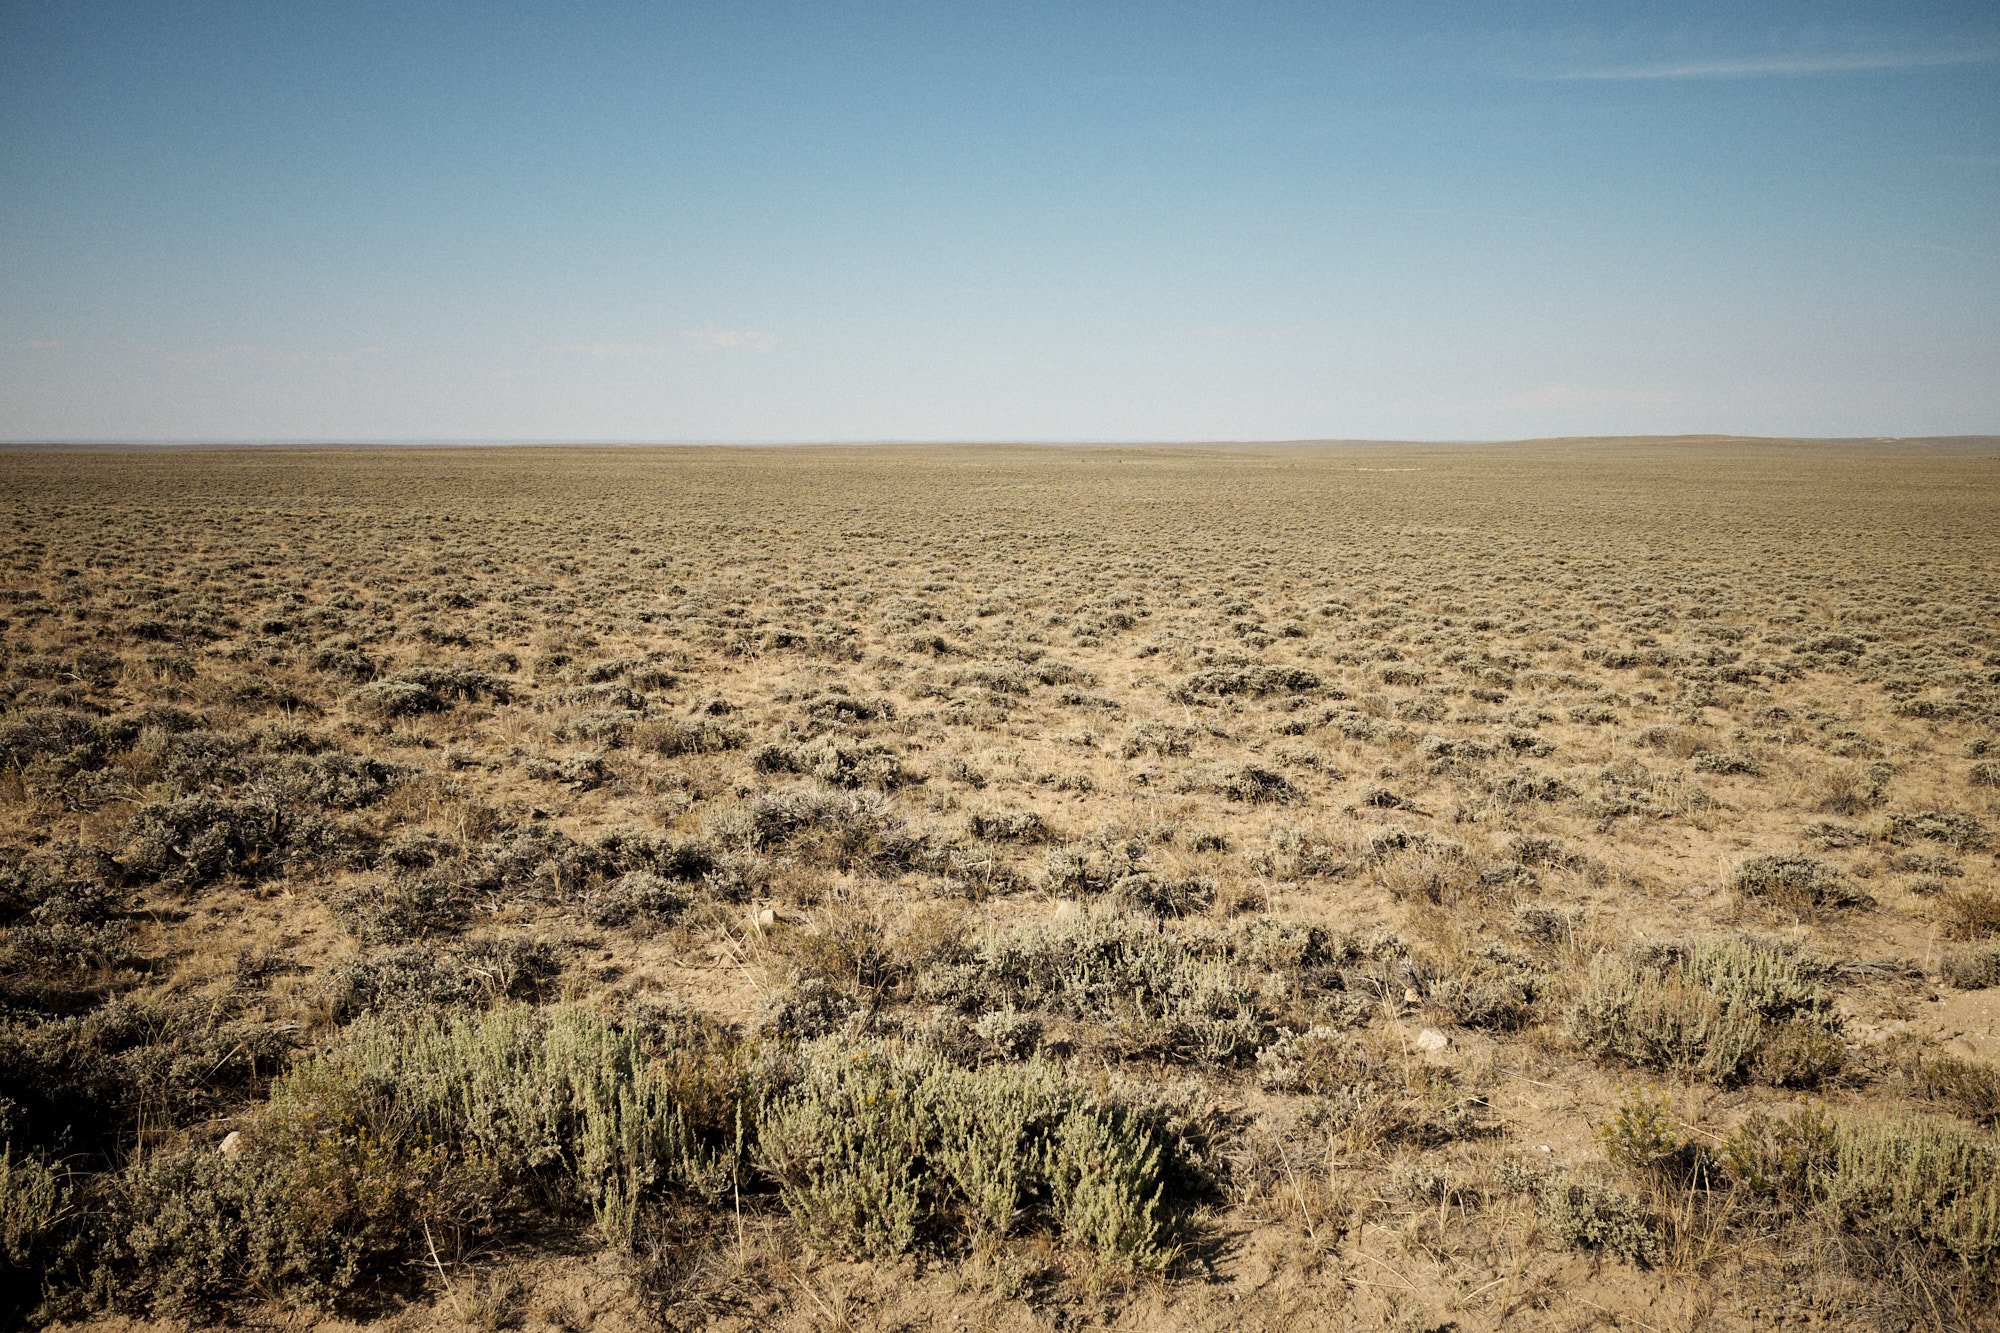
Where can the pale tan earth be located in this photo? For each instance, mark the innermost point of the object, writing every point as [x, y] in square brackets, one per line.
[1666, 656]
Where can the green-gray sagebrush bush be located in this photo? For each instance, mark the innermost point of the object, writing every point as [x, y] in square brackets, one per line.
[1726, 1010]
[879, 1152]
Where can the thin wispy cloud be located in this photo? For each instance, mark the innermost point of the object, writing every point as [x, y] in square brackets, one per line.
[1782, 66]
[1265, 333]
[615, 351]
[740, 340]
[1957, 251]
[261, 354]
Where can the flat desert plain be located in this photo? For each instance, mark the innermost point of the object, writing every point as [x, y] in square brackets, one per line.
[1546, 885]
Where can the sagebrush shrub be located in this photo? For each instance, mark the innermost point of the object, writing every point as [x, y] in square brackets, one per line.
[1148, 987]
[1969, 914]
[1252, 681]
[413, 1129]
[1903, 1178]
[196, 840]
[1780, 1158]
[329, 1188]
[1715, 1008]
[842, 764]
[878, 1151]
[1953, 828]
[1165, 895]
[53, 745]
[76, 1083]
[1103, 1176]
[1585, 1214]
[564, 1100]
[425, 689]
[1965, 1087]
[1644, 1136]
[1891, 1181]
[34, 1205]
[418, 978]
[1801, 883]
[1008, 826]
[673, 736]
[1973, 968]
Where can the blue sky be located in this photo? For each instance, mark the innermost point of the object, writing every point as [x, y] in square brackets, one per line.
[755, 221]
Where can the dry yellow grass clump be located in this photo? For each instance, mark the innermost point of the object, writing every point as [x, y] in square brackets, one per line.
[1541, 885]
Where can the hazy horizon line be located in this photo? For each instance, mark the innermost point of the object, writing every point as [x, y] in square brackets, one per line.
[534, 442]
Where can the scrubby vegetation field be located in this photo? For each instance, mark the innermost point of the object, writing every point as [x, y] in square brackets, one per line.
[1546, 885]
